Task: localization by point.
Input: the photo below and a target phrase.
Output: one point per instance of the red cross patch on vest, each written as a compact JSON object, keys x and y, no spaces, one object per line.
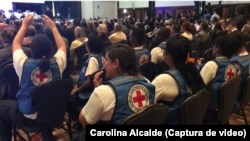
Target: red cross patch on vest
{"x":143,"y":59}
{"x":138,"y":97}
{"x":230,"y":72}
{"x":39,"y":78}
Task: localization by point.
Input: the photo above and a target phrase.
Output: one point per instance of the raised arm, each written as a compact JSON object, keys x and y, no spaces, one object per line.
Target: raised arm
{"x":60,"y":43}
{"x":18,"y":40}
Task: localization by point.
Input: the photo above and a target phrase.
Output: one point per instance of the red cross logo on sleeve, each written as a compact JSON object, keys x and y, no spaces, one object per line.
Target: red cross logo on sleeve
{"x":41,"y":76}
{"x":139,"y":98}
{"x":143,"y":59}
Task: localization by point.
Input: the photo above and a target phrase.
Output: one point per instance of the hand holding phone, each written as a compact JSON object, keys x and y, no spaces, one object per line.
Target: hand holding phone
{"x":99,"y":77}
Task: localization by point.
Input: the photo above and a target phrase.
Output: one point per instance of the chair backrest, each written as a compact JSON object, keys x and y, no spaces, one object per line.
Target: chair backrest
{"x":245,"y":96}
{"x":80,"y":51}
{"x":50,"y":100}
{"x":150,"y":115}
{"x":11,"y":79}
{"x":227,"y":95}
{"x":193,"y":109}
{"x":148,"y":70}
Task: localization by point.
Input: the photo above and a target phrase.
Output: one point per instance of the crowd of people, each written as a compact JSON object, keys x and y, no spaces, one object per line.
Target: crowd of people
{"x":109,"y":78}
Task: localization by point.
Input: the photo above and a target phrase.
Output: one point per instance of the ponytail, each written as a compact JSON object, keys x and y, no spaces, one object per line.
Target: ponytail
{"x":44,"y":64}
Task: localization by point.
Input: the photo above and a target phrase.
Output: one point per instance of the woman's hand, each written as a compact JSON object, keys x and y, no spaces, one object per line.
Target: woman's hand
{"x":98,"y":78}
{"x":48,"y":22}
{"x":27,"y":21}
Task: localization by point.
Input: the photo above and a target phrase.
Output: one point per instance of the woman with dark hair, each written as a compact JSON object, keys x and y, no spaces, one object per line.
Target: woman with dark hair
{"x":81,"y":93}
{"x":112,"y":102}
{"x":180,"y":81}
{"x":40,"y":64}
{"x":217,"y":71}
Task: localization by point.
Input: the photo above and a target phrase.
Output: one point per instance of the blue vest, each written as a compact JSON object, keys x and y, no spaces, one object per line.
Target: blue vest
{"x":85,"y":95}
{"x":173,"y":112}
{"x":31,"y":77}
{"x":132,"y":94}
{"x":242,"y":64}
{"x":85,"y":65}
{"x":142,"y":56}
{"x":222,"y":75}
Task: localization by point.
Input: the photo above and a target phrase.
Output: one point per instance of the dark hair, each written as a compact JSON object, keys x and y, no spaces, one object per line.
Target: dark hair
{"x":138,"y":34}
{"x":126,"y":56}
{"x":179,"y":48}
{"x":223,"y":44}
{"x":163,"y":34}
{"x":95,"y":44}
{"x":41,"y":49}
{"x":31,"y":31}
{"x":8,"y":34}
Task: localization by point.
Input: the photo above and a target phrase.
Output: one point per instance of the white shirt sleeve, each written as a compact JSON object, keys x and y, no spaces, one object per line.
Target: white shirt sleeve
{"x":92,"y":67}
{"x":156,"y":55}
{"x":208,"y":71}
{"x":19,"y":57}
{"x":100,"y":105}
{"x":166,"y":88}
{"x":60,"y":57}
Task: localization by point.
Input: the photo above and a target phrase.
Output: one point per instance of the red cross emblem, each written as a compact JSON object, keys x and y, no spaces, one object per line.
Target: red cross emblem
{"x":39,"y":78}
{"x":143,"y":59}
{"x":138,"y":97}
{"x":230,"y":72}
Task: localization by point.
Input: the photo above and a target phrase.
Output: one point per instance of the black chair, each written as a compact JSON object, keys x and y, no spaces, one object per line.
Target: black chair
{"x":245,"y":98}
{"x":193,"y":109}
{"x":148,"y":70}
{"x":50,"y":100}
{"x":9,"y":75}
{"x":227,"y":94}
{"x":154,"y":114}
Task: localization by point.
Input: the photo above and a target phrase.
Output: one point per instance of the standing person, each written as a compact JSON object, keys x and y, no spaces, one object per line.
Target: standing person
{"x":22,"y":110}
{"x":180,"y":81}
{"x":115,"y":100}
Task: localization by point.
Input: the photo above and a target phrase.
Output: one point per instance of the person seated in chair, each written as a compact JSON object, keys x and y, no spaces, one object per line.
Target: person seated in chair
{"x":32,"y":72}
{"x":217,"y":71}
{"x":81,"y":93}
{"x":136,"y":40}
{"x":182,"y":80}
{"x":125,"y":92}
{"x":241,"y":60}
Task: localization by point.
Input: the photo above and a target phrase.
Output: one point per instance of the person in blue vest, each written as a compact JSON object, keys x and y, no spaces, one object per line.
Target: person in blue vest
{"x":241,"y":60}
{"x":215,"y":72}
{"x":182,"y":80}
{"x":81,"y":93}
{"x":125,"y":92}
{"x":37,"y":70}
{"x":93,"y":63}
{"x":136,"y":39}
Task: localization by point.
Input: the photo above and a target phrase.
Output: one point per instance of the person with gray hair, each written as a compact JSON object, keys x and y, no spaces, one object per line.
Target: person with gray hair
{"x":118,"y":35}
